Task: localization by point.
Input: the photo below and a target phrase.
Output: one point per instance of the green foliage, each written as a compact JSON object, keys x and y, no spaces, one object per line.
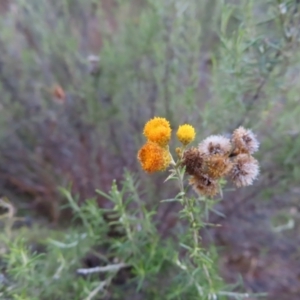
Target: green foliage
{"x":133,"y":259}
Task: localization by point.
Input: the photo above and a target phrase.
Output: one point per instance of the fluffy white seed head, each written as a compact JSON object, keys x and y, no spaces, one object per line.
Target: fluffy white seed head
{"x":245,"y":140}
{"x":215,"y":144}
{"x":245,"y":170}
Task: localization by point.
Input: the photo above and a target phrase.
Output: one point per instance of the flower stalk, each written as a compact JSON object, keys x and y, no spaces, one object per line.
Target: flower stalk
{"x":216,"y":157}
{"x":188,"y":206}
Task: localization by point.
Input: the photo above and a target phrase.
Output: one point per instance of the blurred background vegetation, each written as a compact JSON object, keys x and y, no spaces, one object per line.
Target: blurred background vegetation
{"x":79,"y":78}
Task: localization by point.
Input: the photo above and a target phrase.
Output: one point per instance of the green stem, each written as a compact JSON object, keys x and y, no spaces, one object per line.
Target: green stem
{"x":189,"y":206}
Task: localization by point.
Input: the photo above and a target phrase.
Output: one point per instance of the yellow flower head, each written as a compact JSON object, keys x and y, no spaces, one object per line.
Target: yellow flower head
{"x":186,"y":134}
{"x":154,"y":158}
{"x":158,"y":130}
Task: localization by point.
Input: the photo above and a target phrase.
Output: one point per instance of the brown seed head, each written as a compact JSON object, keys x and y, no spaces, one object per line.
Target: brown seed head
{"x":245,"y":141}
{"x":192,"y":160}
{"x":216,"y":166}
{"x":203,"y":185}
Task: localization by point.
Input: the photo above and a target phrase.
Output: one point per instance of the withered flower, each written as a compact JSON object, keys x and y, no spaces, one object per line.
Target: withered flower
{"x":193,"y":161}
{"x":245,"y":170}
{"x":216,"y":166}
{"x":245,"y":141}
{"x":203,"y":185}
{"x":215,"y":144}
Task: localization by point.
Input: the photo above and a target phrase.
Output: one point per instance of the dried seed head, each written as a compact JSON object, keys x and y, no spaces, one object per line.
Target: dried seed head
{"x":203,"y":185}
{"x":192,"y":160}
{"x":216,"y":166}
{"x":215,"y":144}
{"x":245,"y":141}
{"x":245,"y":170}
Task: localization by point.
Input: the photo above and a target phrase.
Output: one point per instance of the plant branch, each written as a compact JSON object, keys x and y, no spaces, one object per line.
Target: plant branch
{"x":187,"y":203}
{"x":109,"y":268}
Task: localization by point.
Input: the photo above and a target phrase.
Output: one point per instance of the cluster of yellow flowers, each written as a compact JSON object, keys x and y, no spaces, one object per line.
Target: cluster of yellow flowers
{"x":155,"y":155}
{"x":215,"y":157}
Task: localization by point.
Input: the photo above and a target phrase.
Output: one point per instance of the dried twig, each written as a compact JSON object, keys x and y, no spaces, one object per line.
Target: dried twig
{"x":97,"y":289}
{"x":109,"y":268}
{"x":100,"y":287}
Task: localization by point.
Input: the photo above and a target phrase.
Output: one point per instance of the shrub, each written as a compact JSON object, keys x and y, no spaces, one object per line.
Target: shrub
{"x":69,"y":116}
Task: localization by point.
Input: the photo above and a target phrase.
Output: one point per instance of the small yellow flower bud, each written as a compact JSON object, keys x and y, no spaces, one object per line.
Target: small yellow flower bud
{"x":178,"y":151}
{"x":186,"y":134}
